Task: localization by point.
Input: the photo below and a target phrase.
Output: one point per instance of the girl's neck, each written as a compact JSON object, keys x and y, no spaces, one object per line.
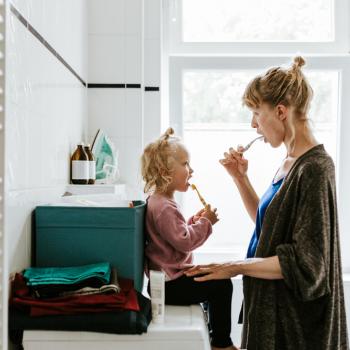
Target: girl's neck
{"x":167,"y":194}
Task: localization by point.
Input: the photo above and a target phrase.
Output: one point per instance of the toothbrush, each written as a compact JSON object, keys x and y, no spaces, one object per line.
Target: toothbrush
{"x":199,"y":195}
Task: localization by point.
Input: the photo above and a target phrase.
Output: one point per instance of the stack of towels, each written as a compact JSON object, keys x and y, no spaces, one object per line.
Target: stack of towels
{"x":72,"y":290}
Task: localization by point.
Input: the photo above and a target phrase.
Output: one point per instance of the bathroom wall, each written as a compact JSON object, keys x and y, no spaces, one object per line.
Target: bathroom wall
{"x":124,"y":79}
{"x":46,"y":112}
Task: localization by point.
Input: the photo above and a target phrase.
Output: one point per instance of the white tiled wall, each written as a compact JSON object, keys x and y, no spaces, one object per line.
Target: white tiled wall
{"x":153,"y":69}
{"x":106,"y":58}
{"x":46,"y":111}
{"x":124,"y":48}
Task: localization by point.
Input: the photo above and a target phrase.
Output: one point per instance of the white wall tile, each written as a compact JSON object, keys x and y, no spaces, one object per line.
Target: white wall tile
{"x":152,"y":19}
{"x":133,"y":113}
{"x":133,"y":17}
{"x":106,"y":16}
{"x":152,"y":62}
{"x":151,"y":128}
{"x":133,"y":59}
{"x":130,"y":167}
{"x":107,"y":111}
{"x":106,"y":59}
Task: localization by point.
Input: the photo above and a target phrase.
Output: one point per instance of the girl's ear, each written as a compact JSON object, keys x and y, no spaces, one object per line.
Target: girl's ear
{"x":282,"y":112}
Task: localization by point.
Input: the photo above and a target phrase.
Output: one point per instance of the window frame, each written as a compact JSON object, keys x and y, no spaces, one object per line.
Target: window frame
{"x":339,"y":45}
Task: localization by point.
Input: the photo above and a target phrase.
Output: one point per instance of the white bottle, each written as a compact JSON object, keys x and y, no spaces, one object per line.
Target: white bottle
{"x":157,"y":281}
{"x":80,"y":166}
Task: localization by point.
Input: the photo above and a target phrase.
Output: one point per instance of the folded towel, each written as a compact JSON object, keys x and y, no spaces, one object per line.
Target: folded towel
{"x":112,"y":287}
{"x":67,"y":275}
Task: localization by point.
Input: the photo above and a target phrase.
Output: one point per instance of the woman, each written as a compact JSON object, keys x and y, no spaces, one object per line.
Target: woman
{"x":292,"y":284}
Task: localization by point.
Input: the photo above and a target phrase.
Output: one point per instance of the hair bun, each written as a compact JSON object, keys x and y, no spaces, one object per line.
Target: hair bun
{"x":168,"y":132}
{"x":298,"y":62}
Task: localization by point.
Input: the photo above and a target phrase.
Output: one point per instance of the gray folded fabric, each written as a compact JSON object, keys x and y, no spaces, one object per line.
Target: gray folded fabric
{"x":112,"y":287}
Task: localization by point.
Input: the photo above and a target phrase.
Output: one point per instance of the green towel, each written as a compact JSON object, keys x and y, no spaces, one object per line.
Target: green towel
{"x":67,"y":275}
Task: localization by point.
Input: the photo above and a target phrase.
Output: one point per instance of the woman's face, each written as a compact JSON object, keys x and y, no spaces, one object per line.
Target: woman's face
{"x":269,"y":122}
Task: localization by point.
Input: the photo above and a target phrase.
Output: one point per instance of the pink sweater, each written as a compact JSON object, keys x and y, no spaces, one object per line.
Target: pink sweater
{"x":170,"y":239}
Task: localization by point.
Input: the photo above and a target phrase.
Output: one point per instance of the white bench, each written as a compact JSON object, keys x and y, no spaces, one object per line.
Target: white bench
{"x":184,"y":328}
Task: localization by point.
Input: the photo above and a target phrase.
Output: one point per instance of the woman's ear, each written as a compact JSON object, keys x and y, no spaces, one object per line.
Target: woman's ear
{"x":282,"y":112}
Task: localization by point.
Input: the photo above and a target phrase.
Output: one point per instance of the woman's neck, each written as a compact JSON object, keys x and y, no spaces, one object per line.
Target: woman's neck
{"x":299,"y":139}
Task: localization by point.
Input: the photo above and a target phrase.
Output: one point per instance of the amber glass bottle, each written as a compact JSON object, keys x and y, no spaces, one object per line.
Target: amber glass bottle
{"x":80,"y":166}
{"x":92,"y":164}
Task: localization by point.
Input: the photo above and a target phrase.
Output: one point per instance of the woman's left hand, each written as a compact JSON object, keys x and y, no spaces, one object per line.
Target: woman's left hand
{"x":213,"y":271}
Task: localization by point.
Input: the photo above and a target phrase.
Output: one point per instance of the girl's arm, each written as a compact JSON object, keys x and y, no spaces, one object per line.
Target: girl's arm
{"x":184,"y":237}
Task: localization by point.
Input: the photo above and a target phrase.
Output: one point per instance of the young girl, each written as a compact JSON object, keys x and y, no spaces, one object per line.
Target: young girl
{"x":171,"y":240}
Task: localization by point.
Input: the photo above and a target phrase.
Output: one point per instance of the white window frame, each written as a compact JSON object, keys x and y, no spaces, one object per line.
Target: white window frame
{"x":339,"y":45}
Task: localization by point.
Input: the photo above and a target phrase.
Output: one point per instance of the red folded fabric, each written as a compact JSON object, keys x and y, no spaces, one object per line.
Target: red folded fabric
{"x":124,"y":300}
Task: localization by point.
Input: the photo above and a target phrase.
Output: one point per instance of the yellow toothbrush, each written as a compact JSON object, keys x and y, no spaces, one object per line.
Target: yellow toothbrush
{"x":199,"y":195}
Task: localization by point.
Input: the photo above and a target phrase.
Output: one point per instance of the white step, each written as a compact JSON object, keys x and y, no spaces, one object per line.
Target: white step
{"x":184,"y":329}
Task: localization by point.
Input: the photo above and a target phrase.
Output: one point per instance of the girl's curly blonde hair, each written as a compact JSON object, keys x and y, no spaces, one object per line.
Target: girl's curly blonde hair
{"x":157,"y":162}
{"x":281,"y":86}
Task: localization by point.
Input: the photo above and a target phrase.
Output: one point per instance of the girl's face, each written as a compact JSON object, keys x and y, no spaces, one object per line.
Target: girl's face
{"x":182,"y":171}
{"x":269,"y":122}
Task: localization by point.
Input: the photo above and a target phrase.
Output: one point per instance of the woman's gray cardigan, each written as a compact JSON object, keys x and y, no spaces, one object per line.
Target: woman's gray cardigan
{"x":304,"y":310}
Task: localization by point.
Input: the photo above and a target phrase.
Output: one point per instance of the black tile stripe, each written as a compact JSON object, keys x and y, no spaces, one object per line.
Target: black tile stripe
{"x":133,"y":86}
{"x":45,"y":43}
{"x":151,"y":88}
{"x":118,"y":86}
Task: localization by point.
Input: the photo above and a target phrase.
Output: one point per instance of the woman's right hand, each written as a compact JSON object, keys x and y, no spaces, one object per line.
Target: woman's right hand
{"x":235,"y":164}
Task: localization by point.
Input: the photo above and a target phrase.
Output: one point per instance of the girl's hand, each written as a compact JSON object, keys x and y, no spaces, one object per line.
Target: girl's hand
{"x":235,"y":164}
{"x":213,"y":271}
{"x":210,"y":214}
{"x":197,"y":216}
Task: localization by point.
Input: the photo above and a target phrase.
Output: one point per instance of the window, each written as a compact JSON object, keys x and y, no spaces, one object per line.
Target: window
{"x":228,"y":21}
{"x":258,"y":26}
{"x":207,"y":79}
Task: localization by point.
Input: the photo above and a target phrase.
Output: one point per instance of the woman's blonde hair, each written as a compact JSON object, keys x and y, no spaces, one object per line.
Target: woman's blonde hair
{"x":157,"y":161}
{"x":287,"y":86}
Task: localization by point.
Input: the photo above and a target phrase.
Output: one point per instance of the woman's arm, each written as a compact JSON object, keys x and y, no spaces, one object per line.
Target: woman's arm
{"x":249,"y":197}
{"x":265,"y":268}
{"x":237,"y":166}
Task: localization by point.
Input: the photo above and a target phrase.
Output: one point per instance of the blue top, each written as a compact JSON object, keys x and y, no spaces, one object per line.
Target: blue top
{"x":263,"y":204}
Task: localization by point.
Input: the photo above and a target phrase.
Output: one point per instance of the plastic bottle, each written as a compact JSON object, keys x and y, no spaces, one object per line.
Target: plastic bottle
{"x":80,"y":166}
{"x":92,"y":164}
